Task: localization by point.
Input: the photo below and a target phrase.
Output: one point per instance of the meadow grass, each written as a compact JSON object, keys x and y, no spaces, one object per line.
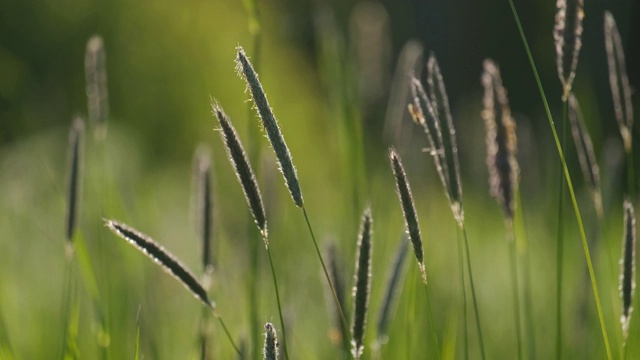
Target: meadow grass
{"x":436,"y":311}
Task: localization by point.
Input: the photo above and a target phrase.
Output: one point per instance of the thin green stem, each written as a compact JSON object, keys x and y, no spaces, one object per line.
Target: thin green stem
{"x":275,"y":284}
{"x":631,"y":184}
{"x":464,"y":296}
{"x":254,"y":246}
{"x":528,"y":297}
{"x":560,"y":240}
{"x":515,"y":285}
{"x":66,"y":302}
{"x":473,"y":292}
{"x":326,"y":274}
{"x":433,"y":327}
{"x":410,"y":316}
{"x":576,"y":209}
{"x":226,"y":331}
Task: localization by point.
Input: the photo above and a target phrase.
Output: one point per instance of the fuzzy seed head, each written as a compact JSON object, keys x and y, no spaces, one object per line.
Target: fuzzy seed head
{"x":74,"y":174}
{"x":408,"y":209}
{"x":271,"y":345}
{"x":567,"y":35}
{"x":362,"y":288}
{"x":244,"y":171}
{"x":96,"y":84}
{"x":628,"y":266}
{"x":500,"y":139}
{"x":270,"y":125}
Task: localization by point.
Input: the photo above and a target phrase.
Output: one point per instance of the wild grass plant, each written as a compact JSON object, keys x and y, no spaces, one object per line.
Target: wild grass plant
{"x":525,"y":299}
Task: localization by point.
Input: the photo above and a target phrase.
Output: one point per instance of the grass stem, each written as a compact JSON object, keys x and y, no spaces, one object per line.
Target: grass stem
{"x":326,"y":274}
{"x":464,"y":297}
{"x":513,"y":255}
{"x":473,"y":292}
{"x":226,"y":331}
{"x":560,"y":239}
{"x":431,"y":324}
{"x":275,"y":284}
{"x":576,"y":209}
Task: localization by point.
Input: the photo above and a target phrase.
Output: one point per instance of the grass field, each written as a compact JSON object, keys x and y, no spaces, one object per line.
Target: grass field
{"x":506,"y":279}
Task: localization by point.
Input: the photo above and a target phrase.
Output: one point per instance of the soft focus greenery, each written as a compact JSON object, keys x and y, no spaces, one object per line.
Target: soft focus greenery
{"x":165,"y":61}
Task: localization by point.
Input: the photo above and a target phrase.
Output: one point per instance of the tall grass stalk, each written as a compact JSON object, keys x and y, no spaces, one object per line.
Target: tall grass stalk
{"x":568,"y":181}
{"x":560,"y":239}
{"x":431,"y":111}
{"x":464,"y":295}
{"x":413,"y":229}
{"x":270,"y":125}
{"x":247,"y":179}
{"x":503,"y":167}
{"x":473,"y":290}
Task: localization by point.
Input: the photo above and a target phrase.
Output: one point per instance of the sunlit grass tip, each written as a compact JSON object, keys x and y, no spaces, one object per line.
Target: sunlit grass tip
{"x":270,"y":351}
{"x":500,"y":139}
{"x":162,"y":257}
{"x":586,"y":154}
{"x":628,"y":266}
{"x":96,"y":84}
{"x":242,"y":167}
{"x":620,"y":89}
{"x":567,"y":36}
{"x":74,"y":176}
{"x":270,"y":125}
{"x":408,"y":209}
{"x":362,"y":287}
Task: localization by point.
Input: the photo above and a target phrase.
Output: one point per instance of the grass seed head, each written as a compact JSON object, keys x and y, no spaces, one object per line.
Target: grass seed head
{"x":362,"y":288}
{"x":243,"y":170}
{"x":567,"y":35}
{"x":500,"y":138}
{"x":74,"y":176}
{"x":270,"y":351}
{"x":270,"y":125}
{"x":162,"y":257}
{"x":628,"y":266}
{"x":408,"y":209}
{"x":620,"y":89}
{"x":95,"y":69}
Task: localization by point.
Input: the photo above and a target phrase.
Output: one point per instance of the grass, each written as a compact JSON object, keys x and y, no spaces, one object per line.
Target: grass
{"x":341,"y":162}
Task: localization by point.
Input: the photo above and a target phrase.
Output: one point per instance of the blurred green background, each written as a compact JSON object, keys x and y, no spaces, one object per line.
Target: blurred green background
{"x":328,"y":69}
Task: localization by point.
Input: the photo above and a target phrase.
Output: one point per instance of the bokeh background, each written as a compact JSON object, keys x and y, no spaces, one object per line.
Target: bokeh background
{"x":330,"y":72}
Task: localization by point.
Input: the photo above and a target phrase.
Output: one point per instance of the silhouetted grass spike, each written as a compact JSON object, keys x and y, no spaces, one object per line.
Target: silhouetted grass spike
{"x":96,"y":81}
{"x":162,"y":257}
{"x":362,"y":288}
{"x":620,"y":89}
{"x":242,"y":168}
{"x":270,"y":351}
{"x":586,"y":154}
{"x":408,"y":209}
{"x":74,"y":175}
{"x":204,"y":199}
{"x":393,"y":282}
{"x":567,"y":34}
{"x":270,"y":125}
{"x":440,"y":105}
{"x":628,"y":266}
{"x":500,"y":138}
